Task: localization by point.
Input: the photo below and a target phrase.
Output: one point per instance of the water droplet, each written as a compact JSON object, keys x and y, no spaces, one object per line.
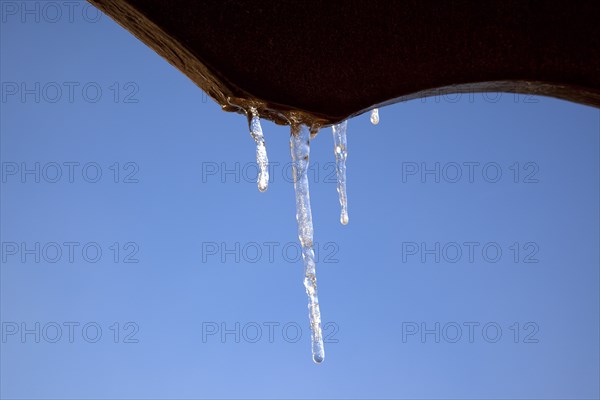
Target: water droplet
{"x":344,"y":218}
{"x":318,"y":358}
{"x":375,"y":116}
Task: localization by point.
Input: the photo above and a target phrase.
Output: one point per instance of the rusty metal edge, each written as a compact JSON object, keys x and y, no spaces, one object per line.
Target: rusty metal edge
{"x":234,"y":99}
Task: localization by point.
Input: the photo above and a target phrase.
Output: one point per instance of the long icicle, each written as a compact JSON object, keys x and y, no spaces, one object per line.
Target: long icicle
{"x":341,"y":153}
{"x":300,"y":149}
{"x":261,"y":150}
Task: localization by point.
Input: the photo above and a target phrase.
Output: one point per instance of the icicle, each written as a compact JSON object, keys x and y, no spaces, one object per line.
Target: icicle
{"x":341,"y":153}
{"x":261,"y":150}
{"x":375,"y":116}
{"x":300,"y":149}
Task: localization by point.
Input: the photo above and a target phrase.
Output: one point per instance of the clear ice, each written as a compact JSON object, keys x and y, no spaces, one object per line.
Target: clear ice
{"x":341,"y":153}
{"x":300,"y":149}
{"x":261,"y":150}
{"x":375,"y":116}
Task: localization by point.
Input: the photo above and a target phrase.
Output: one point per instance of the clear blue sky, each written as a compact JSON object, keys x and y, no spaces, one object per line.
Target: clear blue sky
{"x":177,"y":193}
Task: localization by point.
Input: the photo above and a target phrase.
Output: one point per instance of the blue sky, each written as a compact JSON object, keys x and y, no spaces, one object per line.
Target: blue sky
{"x":131,"y":224}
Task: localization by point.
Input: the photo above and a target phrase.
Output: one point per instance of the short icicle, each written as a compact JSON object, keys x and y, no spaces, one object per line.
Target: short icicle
{"x":300,"y":149}
{"x":261,"y":150}
{"x":341,"y":153}
{"x":375,"y":116}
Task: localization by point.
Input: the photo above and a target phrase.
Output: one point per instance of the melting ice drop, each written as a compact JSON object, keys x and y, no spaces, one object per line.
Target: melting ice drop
{"x":375,"y":116}
{"x":300,"y":149}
